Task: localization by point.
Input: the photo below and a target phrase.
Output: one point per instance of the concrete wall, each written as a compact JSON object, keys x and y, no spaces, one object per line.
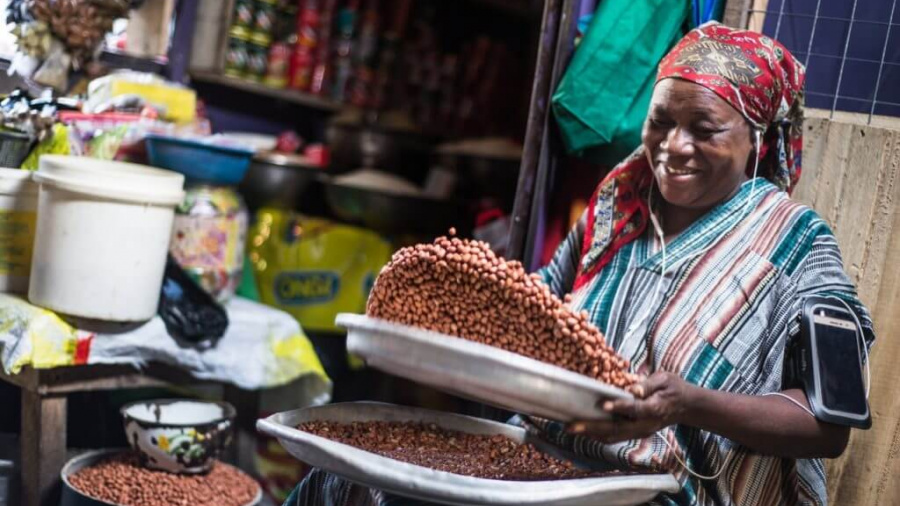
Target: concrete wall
{"x":851,"y":176}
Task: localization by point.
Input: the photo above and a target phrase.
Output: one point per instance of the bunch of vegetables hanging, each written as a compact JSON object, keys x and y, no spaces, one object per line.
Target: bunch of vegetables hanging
{"x":55,"y":37}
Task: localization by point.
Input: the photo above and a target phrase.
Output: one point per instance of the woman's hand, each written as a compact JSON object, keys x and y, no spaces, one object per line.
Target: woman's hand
{"x":767,"y":425}
{"x":662,"y":402}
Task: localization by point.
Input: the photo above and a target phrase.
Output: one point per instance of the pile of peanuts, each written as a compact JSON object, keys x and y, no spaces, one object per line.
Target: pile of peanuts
{"x":494,"y":457}
{"x":121,"y":480}
{"x":462,"y":288}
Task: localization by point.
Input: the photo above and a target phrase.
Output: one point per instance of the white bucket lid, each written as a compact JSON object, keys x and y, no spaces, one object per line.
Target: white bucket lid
{"x":115,"y":180}
{"x":16,"y":182}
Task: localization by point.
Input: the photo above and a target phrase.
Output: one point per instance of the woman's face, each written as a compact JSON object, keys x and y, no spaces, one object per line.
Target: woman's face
{"x":697,"y":144}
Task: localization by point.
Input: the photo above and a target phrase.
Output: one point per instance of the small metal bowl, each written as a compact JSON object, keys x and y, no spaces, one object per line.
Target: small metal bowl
{"x":71,"y":496}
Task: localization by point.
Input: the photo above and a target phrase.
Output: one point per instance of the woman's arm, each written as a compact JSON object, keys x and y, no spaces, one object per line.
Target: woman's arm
{"x":560,"y":273}
{"x":769,"y":425}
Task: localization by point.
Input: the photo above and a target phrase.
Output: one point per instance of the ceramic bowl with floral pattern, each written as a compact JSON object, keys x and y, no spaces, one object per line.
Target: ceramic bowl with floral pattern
{"x":179,"y":435}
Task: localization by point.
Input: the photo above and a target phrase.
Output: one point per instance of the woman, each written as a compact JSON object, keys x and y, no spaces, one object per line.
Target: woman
{"x":694,"y":262}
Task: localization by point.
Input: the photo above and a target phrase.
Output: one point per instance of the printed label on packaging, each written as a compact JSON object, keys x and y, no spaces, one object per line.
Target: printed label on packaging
{"x":310,"y":287}
{"x":209,"y":243}
{"x":16,"y":242}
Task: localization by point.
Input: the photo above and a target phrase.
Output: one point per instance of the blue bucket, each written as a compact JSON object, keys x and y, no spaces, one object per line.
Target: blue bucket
{"x":199,"y":161}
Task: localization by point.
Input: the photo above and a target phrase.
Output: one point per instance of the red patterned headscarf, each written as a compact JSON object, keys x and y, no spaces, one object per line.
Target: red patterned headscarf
{"x":754,"y":74}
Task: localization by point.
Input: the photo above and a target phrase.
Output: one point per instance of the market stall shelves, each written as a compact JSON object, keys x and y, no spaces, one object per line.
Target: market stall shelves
{"x":428,"y":484}
{"x":288,"y":95}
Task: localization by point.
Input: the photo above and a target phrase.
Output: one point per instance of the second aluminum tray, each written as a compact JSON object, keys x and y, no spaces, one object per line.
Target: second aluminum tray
{"x":372,"y":470}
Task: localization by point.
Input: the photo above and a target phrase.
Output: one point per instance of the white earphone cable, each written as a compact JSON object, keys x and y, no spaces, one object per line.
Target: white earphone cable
{"x":662,"y":239}
{"x":745,"y":212}
{"x":657,"y":228}
{"x":794,"y":401}
{"x":688,"y":469}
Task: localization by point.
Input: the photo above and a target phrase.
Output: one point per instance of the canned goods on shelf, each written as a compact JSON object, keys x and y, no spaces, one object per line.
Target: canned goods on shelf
{"x":301,"y":67}
{"x":265,"y":16}
{"x":261,"y":39}
{"x":257,"y":56}
{"x":277,"y":67}
{"x":236,"y":55}
{"x":243,"y":13}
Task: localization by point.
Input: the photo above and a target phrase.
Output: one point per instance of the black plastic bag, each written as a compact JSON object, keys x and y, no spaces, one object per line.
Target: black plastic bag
{"x":190,"y":314}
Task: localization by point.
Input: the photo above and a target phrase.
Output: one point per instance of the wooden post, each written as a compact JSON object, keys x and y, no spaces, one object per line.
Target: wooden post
{"x":757,"y":18}
{"x":551,"y":150}
{"x":148,"y":28}
{"x":735,"y":14}
{"x":210,"y":35}
{"x":538,"y":114}
{"x":747,"y":14}
{"x":43,"y":447}
{"x":247,"y":404}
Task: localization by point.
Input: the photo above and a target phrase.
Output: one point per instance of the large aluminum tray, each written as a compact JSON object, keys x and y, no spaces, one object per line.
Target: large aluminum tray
{"x":477,"y":371}
{"x":422,"y":483}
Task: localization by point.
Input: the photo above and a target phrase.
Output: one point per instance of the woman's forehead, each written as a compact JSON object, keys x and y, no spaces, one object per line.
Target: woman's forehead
{"x":680,"y":96}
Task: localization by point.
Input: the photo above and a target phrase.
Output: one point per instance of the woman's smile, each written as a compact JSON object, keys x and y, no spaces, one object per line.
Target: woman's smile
{"x":677,"y":174}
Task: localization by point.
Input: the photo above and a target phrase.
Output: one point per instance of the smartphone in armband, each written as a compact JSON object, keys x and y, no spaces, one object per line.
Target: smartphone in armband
{"x":827,"y":362}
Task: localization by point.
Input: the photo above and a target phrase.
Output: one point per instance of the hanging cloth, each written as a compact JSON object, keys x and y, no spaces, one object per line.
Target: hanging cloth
{"x":703,"y":11}
{"x":602,"y":99}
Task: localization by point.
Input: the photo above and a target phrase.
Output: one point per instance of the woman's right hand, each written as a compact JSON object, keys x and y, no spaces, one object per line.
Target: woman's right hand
{"x":661,"y":400}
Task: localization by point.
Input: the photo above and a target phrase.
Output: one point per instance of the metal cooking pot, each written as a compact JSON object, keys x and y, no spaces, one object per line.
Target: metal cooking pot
{"x":387,"y":212}
{"x":484,"y":176}
{"x":283,"y":181}
{"x":405,"y":153}
{"x":73,"y":497}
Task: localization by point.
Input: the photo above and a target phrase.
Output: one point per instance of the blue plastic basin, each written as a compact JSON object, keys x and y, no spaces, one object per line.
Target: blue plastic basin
{"x":200,"y":161}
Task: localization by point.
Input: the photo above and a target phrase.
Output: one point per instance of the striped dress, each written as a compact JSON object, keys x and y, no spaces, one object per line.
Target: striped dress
{"x":720,"y":316}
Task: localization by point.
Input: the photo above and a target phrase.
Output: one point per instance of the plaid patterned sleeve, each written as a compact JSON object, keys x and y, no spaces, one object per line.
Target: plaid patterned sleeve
{"x":560,"y":273}
{"x":822,"y":274}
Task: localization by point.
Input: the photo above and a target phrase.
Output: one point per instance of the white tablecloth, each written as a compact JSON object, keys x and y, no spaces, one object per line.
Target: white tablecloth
{"x":262,"y":348}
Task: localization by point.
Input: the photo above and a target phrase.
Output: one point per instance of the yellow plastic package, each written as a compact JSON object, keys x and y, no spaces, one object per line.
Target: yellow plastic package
{"x":179,"y":102}
{"x":57,"y":143}
{"x":314,"y":268}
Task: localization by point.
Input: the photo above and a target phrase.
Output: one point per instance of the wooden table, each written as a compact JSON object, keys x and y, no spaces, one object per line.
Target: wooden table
{"x":43,"y":434}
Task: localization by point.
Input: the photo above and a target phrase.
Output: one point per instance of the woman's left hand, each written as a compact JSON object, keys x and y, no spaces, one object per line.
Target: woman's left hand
{"x":663,"y":402}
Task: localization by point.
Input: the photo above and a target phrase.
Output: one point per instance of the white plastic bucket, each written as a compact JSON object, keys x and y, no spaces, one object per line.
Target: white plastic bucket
{"x":103,"y":230}
{"x":18,"y":214}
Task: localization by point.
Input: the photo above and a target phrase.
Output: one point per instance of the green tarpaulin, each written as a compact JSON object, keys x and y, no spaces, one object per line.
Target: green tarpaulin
{"x":602,"y":100}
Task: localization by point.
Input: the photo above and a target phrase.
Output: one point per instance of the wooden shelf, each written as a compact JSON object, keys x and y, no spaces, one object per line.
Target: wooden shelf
{"x":293,"y":96}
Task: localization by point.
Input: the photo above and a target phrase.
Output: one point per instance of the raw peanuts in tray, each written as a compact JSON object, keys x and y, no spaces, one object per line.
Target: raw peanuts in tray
{"x":122,"y":480}
{"x":462,"y":288}
{"x":483,"y":456}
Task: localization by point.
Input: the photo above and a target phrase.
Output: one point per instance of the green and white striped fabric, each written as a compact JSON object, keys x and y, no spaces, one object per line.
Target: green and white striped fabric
{"x":721,"y":318}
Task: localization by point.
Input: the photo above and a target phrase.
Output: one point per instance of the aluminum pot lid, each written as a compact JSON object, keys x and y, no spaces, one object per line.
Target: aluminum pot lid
{"x":285,"y":160}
